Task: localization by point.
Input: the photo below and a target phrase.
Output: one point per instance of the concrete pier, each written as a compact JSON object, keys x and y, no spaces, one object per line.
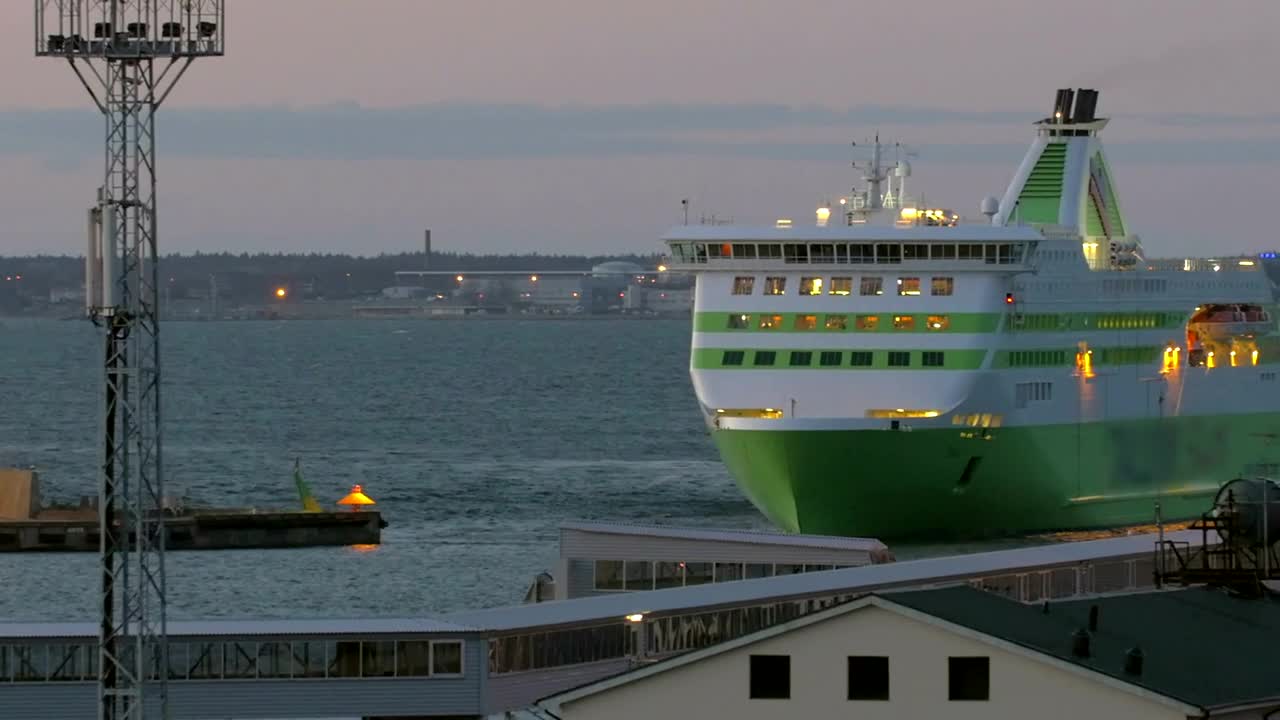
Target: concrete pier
{"x":25,"y":526}
{"x":206,"y":531}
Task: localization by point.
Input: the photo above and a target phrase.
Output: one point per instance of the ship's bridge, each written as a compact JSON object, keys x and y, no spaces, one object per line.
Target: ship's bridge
{"x":699,"y":248}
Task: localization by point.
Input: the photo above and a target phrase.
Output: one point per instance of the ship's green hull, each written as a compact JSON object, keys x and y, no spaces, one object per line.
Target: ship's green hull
{"x":969,"y":482}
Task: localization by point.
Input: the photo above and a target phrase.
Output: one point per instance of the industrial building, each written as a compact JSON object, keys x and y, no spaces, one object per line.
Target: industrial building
{"x":958,"y":652}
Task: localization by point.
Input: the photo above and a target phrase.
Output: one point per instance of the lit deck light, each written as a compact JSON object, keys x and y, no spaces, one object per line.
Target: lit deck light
{"x":662,"y":268}
{"x":635,"y":618}
{"x":459,"y":278}
{"x":1254,"y":357}
{"x":533,"y":278}
{"x":281,"y":293}
{"x":356,"y":498}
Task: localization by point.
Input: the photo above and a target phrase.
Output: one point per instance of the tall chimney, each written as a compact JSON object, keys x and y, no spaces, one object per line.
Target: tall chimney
{"x":426,"y":250}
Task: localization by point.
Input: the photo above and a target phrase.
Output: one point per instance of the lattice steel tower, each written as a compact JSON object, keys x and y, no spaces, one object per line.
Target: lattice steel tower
{"x":113,"y":46}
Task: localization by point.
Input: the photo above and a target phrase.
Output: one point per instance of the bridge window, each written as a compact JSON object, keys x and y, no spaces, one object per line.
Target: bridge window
{"x":810,"y":286}
{"x":446,"y":658}
{"x":862,"y":253}
{"x":823,"y":253}
{"x":829,"y":358}
{"x":639,"y":575}
{"x":866,"y":322}
{"x":806,"y":322}
{"x":732,"y":357}
{"x":888,"y":253}
{"x":671,"y":574}
{"x":608,"y":575}
{"x":770,"y":251}
{"x":744,"y":250}
{"x":308,"y":659}
{"x":942,"y":251}
{"x":739,"y":322}
{"x":801,"y":358}
{"x":899,"y":359}
{"x":239,"y":659}
{"x":860,"y":358}
{"x":942,"y":286}
{"x":915,"y":251}
{"x":932,"y":358}
{"x":908,"y":286}
{"x":273,"y":660}
{"x":743,"y":285}
{"x":205,"y":661}
{"x":770,"y":322}
{"x":837,"y":322}
{"x":698,"y":573}
{"x":904,"y":322}
{"x":344,"y":659}
{"x":795,"y":253}
{"x":871,"y":286}
{"x":775,"y":286}
{"x":378,"y":659}
{"x":765,"y":357}
{"x":413,"y":658}
{"x":841,"y":286}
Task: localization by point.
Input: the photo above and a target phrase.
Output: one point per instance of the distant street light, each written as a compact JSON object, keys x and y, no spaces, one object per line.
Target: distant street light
{"x":281,"y":293}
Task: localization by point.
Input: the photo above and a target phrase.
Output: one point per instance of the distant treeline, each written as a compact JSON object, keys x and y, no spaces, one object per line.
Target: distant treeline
{"x":252,"y":277}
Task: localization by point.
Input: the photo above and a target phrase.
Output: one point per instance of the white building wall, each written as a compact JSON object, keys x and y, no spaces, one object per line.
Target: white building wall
{"x":718,"y":686}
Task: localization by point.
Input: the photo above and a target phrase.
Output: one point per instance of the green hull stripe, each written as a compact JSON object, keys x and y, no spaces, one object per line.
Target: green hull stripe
{"x":942,"y":482}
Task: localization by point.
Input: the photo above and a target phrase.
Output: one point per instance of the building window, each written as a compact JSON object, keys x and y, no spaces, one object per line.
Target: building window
{"x":801,"y":358}
{"x":810,"y":286}
{"x":775,"y":286}
{"x":866,"y":322}
{"x":837,"y":322}
{"x":743,"y":285}
{"x":770,"y":677}
{"x":732,"y":357}
{"x":698,"y":573}
{"x":860,"y":358}
{"x":829,"y":358}
{"x":904,"y":322}
{"x":728,"y":572}
{"x":868,"y":677}
{"x":909,"y":286}
{"x":378,"y":659}
{"x":899,"y":359}
{"x":932,"y":358}
{"x":806,"y":322}
{"x":765,"y":357}
{"x":608,"y":575}
{"x":739,"y":322}
{"x":938,"y":322}
{"x":668,"y":575}
{"x":968,"y":678}
{"x":446,"y":658}
{"x":413,"y":658}
{"x":841,"y":286}
{"x":871,"y":286}
{"x":640,"y":573}
{"x":770,"y":322}
{"x":942,"y":286}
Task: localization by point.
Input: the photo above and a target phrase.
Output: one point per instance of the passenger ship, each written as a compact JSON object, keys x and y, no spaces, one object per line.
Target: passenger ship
{"x":896,"y":371}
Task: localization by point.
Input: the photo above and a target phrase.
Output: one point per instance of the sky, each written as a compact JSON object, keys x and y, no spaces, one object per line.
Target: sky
{"x":578,"y":127}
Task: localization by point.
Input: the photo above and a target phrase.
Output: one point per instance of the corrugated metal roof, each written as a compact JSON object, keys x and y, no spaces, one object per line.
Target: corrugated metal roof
{"x":248,"y":628}
{"x":613,"y":607}
{"x":758,"y":537}
{"x":831,"y":582}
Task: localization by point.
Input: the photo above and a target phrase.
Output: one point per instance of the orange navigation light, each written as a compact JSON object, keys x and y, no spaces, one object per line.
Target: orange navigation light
{"x":356,"y":498}
{"x":1008,"y":298}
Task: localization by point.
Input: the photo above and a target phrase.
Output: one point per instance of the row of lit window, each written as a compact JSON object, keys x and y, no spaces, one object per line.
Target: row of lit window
{"x":887,"y":253}
{"x":867,"y":286}
{"x":968,"y":678}
{"x":832,"y":358}
{"x":649,"y":575}
{"x":243,"y":660}
{"x":745,"y":321}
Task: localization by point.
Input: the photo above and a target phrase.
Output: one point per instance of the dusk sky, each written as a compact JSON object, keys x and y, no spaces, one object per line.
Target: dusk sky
{"x":557,"y":126}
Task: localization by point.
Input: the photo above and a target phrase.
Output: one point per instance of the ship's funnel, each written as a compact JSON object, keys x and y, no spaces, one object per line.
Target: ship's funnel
{"x":1064,"y":179}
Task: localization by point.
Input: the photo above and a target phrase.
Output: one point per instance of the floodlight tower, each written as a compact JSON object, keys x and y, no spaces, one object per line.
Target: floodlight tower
{"x":113,"y":46}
